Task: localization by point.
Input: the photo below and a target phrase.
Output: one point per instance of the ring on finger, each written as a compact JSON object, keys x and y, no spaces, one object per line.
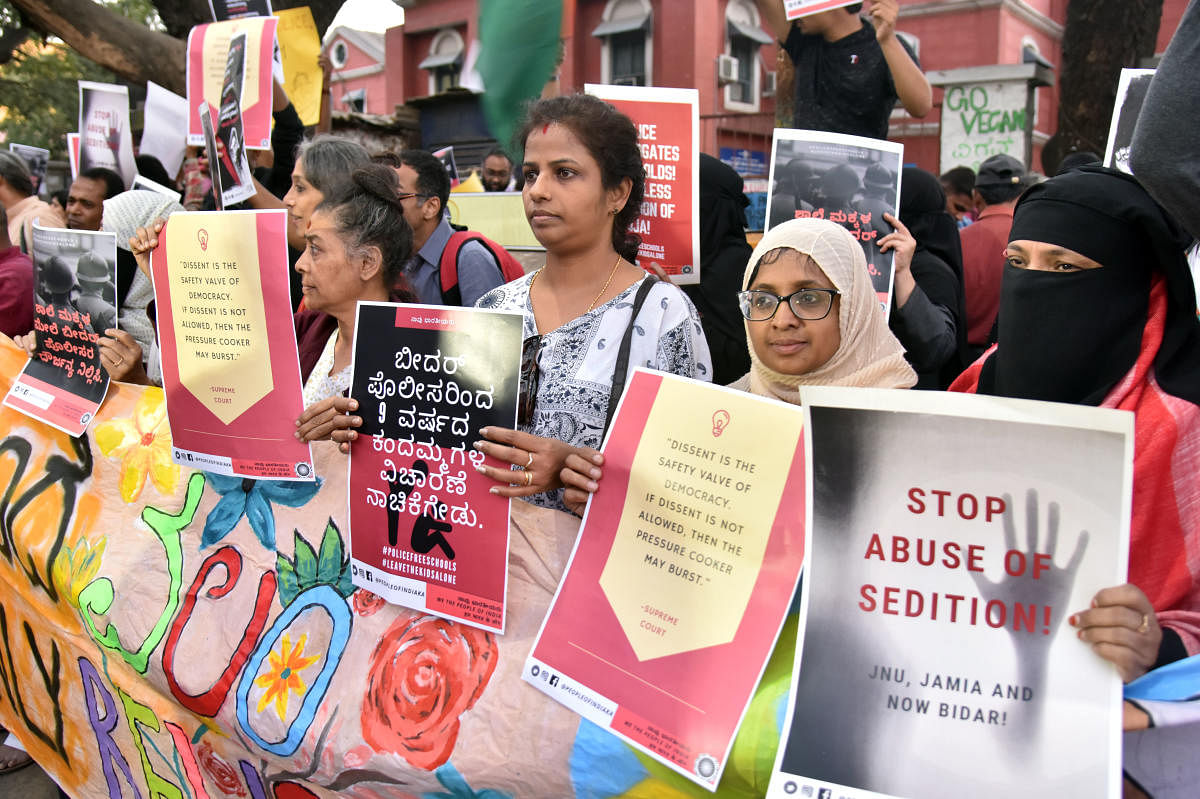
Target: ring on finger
{"x":528,"y":479}
{"x":529,"y":463}
{"x":1145,"y":625}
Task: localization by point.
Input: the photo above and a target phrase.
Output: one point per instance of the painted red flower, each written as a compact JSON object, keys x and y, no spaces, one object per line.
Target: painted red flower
{"x":366,"y":603}
{"x":424,"y":674}
{"x":224,"y":775}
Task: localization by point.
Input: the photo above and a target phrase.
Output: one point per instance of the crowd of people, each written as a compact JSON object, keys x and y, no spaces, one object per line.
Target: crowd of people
{"x":1074,"y":289}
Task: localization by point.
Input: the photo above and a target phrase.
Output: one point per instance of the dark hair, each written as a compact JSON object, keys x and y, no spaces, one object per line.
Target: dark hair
{"x":366,"y":213}
{"x":854,"y":9}
{"x":959,"y":180}
{"x":994,"y":195}
{"x":60,"y":195}
{"x":497,"y":151}
{"x":329,"y":160}
{"x":15,"y":173}
{"x":432,"y":178}
{"x":150,"y":167}
{"x":611,"y":139}
{"x":113,"y":185}
{"x":387,"y":158}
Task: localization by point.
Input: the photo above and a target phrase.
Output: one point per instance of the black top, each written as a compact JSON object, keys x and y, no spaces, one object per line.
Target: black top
{"x":843,"y":86}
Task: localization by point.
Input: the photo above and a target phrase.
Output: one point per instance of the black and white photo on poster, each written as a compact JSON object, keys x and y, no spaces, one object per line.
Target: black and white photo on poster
{"x":36,"y":158}
{"x":210,"y":150}
{"x":934,"y":658}
{"x":236,"y":182}
{"x":105,"y":136}
{"x":1131,"y":93}
{"x":846,"y":179}
{"x":233,"y":9}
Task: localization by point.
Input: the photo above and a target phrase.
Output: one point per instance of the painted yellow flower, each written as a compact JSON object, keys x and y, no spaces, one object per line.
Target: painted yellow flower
{"x":284,"y":676}
{"x":76,"y":566}
{"x":143,"y":443}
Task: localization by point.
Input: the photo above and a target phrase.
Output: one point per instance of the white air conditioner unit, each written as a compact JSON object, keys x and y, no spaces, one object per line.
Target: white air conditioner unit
{"x":769,"y":83}
{"x":727,"y":69}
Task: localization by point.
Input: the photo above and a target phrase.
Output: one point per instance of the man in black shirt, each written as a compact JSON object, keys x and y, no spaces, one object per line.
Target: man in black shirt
{"x":848,"y":72}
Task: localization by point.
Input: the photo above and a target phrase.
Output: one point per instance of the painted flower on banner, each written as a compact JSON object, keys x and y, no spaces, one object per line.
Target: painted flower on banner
{"x":424,"y":674}
{"x":284,"y":677}
{"x":76,"y":566}
{"x":223,"y":775}
{"x":457,"y":787}
{"x":367,"y":603}
{"x":252,"y":499}
{"x":143,"y":443}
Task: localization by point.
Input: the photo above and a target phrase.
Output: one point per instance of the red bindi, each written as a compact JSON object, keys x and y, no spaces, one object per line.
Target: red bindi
{"x":545,"y":128}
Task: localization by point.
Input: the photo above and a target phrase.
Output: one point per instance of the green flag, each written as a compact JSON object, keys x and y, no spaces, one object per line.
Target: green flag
{"x":518,"y":51}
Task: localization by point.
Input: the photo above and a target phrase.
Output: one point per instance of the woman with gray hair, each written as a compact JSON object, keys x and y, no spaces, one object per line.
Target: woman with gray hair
{"x":323,"y":168}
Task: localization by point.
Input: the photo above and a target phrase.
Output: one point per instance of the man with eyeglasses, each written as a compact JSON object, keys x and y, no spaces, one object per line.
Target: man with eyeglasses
{"x":424,"y":192}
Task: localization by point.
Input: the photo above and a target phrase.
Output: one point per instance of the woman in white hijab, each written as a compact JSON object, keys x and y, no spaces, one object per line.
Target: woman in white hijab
{"x":812,"y":318}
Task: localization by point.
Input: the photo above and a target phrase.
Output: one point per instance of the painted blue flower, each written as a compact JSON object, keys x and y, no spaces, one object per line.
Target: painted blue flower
{"x":242,"y":496}
{"x":458,"y":787}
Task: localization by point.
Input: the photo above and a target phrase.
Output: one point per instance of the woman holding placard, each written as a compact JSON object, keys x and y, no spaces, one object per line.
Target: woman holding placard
{"x":1098,"y":308}
{"x":591,"y":313}
{"x":812,"y":318}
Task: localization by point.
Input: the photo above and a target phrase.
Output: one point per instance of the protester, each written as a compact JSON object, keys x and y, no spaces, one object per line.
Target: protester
{"x":424,"y":192}
{"x":1098,"y":309}
{"x":357,"y":243}
{"x":85,"y":199}
{"x":1000,"y":183}
{"x":497,"y":171}
{"x":584,"y":181}
{"x":149,"y":167}
{"x":16,"y":286}
{"x":323,"y":167}
{"x":848,"y":73}
{"x":21,"y":204}
{"x":812,"y":318}
{"x":723,"y":255}
{"x":959,"y":185}
{"x":932,"y":322}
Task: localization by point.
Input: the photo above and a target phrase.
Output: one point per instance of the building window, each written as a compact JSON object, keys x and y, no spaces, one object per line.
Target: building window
{"x":628,"y":48}
{"x":355,"y":100}
{"x":444,"y":62}
{"x":743,"y":38}
{"x":339,"y":55}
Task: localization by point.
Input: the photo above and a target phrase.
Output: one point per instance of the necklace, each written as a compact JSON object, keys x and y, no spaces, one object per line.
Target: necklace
{"x":595,"y":299}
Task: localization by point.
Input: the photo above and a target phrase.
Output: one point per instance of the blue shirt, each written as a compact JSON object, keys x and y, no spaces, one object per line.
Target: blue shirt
{"x":478,"y":272}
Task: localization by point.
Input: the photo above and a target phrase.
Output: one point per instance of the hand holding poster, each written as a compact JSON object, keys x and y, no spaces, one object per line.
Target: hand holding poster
{"x":850,"y":180}
{"x":75,"y":301}
{"x":105,"y":136}
{"x":231,"y":371}
{"x":426,"y":532}
{"x":668,"y":125}
{"x":683,"y":570}
{"x":937,"y":592}
{"x":208,"y":51}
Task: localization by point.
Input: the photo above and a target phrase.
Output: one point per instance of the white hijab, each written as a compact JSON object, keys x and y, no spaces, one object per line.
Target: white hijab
{"x":868,"y":355}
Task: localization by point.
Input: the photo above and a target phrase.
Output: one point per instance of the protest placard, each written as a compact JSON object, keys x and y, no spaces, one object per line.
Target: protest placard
{"x":163,"y":134}
{"x":936,"y":597}
{"x":74,"y":302}
{"x":237,"y":184}
{"x":105,"y":136}
{"x":210,"y":152}
{"x":299,"y":48}
{"x":208,"y":55}
{"x":683,"y":570}
{"x":73,"y":154}
{"x":425,"y":531}
{"x":36,"y":158}
{"x":794,"y":9}
{"x":1131,"y":92}
{"x":850,"y":180}
{"x":223,"y":10}
{"x":230,"y":366}
{"x":668,"y":126}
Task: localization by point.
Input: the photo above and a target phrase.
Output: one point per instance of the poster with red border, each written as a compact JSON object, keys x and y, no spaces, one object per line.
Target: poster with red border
{"x":794,"y":9}
{"x":208,"y":50}
{"x":668,"y":125}
{"x":74,"y":301}
{"x":425,"y":530}
{"x":934,"y":655}
{"x":231,"y":369}
{"x":684,"y":568}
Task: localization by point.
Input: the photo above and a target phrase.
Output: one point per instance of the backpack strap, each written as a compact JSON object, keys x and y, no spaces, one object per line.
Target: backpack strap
{"x":448,"y":267}
{"x":622,"y":367}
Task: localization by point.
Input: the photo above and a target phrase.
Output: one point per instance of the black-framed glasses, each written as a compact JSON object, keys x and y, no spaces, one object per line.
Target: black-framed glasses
{"x":530,"y":377}
{"x":407,"y":194}
{"x":807,"y":304}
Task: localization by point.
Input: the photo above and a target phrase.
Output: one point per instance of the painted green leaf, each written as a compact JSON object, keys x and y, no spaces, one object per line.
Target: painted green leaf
{"x":330,"y":563}
{"x":289,"y":587}
{"x":306,"y":563}
{"x":345,"y":585}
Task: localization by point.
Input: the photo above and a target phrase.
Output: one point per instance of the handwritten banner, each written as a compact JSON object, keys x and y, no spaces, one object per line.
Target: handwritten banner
{"x":936,"y":597}
{"x":427,"y":532}
{"x":980,"y":120}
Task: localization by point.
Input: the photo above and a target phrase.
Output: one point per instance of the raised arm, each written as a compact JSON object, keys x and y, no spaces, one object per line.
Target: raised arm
{"x":912,"y":88}
{"x":773,"y":18}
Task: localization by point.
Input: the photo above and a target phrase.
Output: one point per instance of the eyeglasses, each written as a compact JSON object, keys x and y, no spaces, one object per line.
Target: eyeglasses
{"x":807,"y":304}
{"x":530,"y":377}
{"x":407,"y":194}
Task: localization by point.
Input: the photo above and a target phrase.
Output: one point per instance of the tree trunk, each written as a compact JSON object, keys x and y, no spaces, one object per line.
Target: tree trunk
{"x":128,"y":48}
{"x":1101,"y":37}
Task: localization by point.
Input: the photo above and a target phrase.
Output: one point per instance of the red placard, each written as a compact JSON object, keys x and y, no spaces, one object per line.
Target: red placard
{"x":208,"y":48}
